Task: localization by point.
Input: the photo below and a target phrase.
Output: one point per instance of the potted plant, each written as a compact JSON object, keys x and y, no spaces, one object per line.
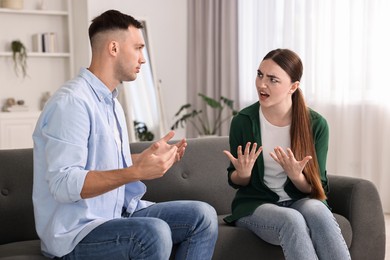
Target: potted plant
{"x":19,"y":55}
{"x":142,"y":132}
{"x":200,"y":119}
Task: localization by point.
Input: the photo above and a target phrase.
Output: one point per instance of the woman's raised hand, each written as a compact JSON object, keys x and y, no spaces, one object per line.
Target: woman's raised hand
{"x":245,"y":160}
{"x":287,"y":160}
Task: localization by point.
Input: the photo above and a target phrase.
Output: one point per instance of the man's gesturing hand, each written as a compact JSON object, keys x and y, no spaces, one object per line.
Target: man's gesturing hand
{"x":181,"y":147}
{"x":156,"y":160}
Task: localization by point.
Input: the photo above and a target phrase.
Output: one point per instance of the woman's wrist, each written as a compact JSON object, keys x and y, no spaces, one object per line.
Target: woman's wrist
{"x":240,"y":178}
{"x":301,"y":182}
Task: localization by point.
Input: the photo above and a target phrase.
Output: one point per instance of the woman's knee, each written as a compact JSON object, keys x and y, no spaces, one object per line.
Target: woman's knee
{"x":313,"y":209}
{"x":294,"y":219}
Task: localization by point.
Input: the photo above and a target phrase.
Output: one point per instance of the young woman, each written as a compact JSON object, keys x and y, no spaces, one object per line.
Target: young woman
{"x":278,"y":150}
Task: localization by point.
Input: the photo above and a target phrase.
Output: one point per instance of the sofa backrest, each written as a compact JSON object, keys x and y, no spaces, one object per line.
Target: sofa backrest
{"x":16,"y":209}
{"x":200,"y":175}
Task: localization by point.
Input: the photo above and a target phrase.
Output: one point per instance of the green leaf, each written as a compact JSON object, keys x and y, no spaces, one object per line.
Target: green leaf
{"x":182,"y":108}
{"x":142,"y":131}
{"x":200,"y":121}
{"x":210,"y":101}
{"x":19,"y":56}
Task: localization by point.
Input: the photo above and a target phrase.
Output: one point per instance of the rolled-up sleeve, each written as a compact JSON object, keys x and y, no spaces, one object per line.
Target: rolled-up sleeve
{"x":66,"y":133}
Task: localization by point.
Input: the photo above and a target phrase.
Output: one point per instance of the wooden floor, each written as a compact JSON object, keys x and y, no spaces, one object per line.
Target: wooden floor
{"x":387,"y":219}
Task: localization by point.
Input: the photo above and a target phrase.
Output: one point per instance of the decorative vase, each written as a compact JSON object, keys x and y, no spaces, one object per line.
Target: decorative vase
{"x":41,"y":5}
{"x":45,"y":97}
{"x":12,"y":4}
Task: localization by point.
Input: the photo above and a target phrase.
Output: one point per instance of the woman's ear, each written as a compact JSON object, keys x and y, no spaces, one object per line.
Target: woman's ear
{"x":294,"y":87}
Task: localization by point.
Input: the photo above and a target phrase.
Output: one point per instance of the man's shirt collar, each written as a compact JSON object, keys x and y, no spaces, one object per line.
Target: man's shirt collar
{"x":99,"y":88}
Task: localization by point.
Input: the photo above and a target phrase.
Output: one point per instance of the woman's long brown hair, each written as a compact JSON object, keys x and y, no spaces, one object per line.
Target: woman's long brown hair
{"x":302,"y":141}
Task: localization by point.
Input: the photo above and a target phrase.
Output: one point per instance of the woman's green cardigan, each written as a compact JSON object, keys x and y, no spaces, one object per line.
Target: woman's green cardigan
{"x":245,"y":127}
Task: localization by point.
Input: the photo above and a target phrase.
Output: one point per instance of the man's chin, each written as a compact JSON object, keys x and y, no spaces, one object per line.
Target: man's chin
{"x":131,"y":78}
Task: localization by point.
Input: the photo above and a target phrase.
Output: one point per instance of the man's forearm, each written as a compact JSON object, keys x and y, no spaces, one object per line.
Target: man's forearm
{"x":99,"y":182}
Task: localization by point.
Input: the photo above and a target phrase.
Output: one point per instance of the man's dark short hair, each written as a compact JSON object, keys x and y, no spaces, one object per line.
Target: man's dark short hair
{"x":112,"y":20}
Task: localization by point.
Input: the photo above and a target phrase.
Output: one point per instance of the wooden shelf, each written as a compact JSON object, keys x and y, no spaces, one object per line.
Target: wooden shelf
{"x":33,"y":12}
{"x":19,"y":114}
{"x":40,"y":54}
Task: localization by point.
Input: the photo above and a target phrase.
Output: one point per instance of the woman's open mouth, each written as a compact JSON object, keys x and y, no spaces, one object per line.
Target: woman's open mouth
{"x":263,"y":95}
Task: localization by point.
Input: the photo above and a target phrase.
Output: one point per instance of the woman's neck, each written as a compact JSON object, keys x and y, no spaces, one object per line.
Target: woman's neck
{"x":277,"y":117}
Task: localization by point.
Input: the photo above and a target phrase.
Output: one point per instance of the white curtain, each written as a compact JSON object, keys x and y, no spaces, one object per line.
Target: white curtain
{"x":344,"y":46}
{"x":212,"y":54}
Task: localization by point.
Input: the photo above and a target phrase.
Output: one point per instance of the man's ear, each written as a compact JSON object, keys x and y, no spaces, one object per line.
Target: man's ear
{"x":294,"y":87}
{"x":113,"y":48}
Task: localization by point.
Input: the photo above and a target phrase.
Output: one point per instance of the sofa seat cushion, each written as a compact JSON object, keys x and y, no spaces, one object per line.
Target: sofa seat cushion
{"x":25,"y":250}
{"x":233,"y":243}
{"x":239,"y":243}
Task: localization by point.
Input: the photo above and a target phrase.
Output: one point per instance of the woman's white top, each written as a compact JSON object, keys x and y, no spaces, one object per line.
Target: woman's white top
{"x":271,"y":137}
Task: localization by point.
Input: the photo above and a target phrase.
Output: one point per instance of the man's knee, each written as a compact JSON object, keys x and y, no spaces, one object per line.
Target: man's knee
{"x":159,"y":229}
{"x":206,"y":215}
{"x":155,"y":239}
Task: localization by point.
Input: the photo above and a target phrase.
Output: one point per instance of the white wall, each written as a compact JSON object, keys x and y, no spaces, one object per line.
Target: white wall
{"x":44,"y":73}
{"x":167,"y":27}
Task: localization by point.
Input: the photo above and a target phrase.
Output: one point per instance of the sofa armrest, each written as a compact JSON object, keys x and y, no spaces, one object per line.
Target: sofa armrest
{"x":358,"y":200}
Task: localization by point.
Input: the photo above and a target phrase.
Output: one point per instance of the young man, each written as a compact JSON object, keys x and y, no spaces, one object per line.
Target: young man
{"x":87,"y":187}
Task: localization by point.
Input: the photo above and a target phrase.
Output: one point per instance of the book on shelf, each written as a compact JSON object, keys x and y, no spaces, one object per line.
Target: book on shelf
{"x":37,"y":42}
{"x":45,"y":42}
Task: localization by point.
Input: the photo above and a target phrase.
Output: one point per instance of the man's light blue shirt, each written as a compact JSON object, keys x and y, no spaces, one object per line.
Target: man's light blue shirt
{"x":81,"y":128}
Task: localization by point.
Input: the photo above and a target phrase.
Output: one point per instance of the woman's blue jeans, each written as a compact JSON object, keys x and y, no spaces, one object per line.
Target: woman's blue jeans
{"x":151,"y":232}
{"x":305,"y":229}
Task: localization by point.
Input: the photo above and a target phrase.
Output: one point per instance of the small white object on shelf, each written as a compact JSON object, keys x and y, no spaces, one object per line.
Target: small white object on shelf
{"x":12,"y":4}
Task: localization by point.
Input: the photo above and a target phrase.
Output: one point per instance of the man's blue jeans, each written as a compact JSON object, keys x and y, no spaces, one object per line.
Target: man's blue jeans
{"x":151,"y":232}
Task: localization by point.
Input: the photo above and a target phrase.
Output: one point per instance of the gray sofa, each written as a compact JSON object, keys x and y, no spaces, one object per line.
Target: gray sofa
{"x":201,"y":175}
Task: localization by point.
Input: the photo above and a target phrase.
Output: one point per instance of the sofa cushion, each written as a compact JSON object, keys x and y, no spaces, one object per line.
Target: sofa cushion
{"x":16,"y":208}
{"x":240,"y":243}
{"x":233,"y":243}
{"x":25,"y":250}
{"x":200,"y":175}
